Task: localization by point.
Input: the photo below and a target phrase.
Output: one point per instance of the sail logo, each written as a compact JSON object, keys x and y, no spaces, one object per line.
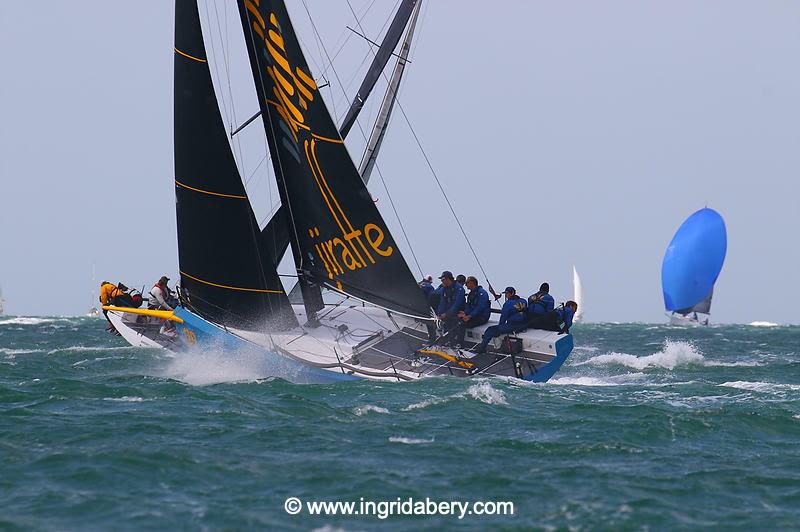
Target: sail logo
{"x":356,"y":247}
{"x":292,"y":88}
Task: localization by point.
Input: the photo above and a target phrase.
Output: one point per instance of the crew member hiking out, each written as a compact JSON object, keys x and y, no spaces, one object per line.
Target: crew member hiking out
{"x":559,"y":320}
{"x":512,"y":318}
{"x":541,"y":302}
{"x":113,"y":294}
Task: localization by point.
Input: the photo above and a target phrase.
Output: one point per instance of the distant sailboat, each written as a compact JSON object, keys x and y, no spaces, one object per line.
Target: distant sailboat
{"x":692,"y":263}
{"x":577,"y":295}
{"x":1,"y":302}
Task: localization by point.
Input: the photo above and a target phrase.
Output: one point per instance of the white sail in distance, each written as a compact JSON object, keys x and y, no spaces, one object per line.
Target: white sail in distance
{"x":577,"y":295}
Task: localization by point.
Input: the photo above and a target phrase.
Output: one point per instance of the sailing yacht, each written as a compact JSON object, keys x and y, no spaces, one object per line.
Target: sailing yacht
{"x":692,"y":263}
{"x":577,"y":295}
{"x":356,"y":311}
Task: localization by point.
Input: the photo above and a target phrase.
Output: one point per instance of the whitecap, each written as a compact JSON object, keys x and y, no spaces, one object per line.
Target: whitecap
{"x":125,"y":399}
{"x":758,"y":386}
{"x":674,"y":353}
{"x":409,"y":441}
{"x":619,"y":380}
{"x":365,"y":409}
{"x":28,"y":320}
{"x":9,"y":351}
{"x":486,"y":393}
{"x":763,"y":324}
{"x":426,"y":403}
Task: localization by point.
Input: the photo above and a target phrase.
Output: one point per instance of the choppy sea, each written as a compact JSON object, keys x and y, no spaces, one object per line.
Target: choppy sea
{"x":645,"y":427}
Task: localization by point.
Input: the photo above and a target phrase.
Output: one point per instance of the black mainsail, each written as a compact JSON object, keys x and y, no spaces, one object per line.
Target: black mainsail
{"x":228,"y":274}
{"x":337,"y":234}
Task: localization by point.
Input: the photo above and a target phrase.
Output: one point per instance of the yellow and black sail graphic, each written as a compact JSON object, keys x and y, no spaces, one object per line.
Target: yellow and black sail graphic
{"x":338,"y":234}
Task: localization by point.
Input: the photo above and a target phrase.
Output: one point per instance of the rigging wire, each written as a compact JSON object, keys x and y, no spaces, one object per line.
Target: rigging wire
{"x":341,"y":85}
{"x":430,"y":166}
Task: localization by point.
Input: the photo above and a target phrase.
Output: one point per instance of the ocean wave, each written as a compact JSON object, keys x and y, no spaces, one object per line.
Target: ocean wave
{"x":619,"y":380}
{"x":9,"y":351}
{"x":764,"y":387}
{"x":365,"y":409}
{"x":29,"y":320}
{"x":674,"y":353}
{"x":409,"y":441}
{"x":483,"y":391}
{"x":763,"y":324}
{"x":91,"y":348}
{"x":126,"y":399}
{"x":486,"y":393}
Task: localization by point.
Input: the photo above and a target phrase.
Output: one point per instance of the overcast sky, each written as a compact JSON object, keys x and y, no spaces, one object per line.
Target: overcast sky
{"x":563,"y":132}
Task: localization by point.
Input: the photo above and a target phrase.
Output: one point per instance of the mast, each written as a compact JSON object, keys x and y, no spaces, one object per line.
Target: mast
{"x":338,"y":237}
{"x":379,"y":130}
{"x":226,"y":272}
{"x":379,"y":62}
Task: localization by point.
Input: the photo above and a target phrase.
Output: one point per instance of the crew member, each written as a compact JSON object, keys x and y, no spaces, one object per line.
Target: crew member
{"x":559,"y":320}
{"x":160,"y":295}
{"x":476,"y":309}
{"x":451,"y":302}
{"x":541,"y":302}
{"x":461,"y":279}
{"x":426,"y":285}
{"x":112,"y":294}
{"x":512,"y":318}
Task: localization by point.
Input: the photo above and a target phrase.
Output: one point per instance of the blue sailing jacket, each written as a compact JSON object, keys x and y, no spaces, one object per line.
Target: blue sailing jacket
{"x":540,"y":303}
{"x":565,"y":316}
{"x":452,"y":299}
{"x":478,"y":305}
{"x":513,"y":310}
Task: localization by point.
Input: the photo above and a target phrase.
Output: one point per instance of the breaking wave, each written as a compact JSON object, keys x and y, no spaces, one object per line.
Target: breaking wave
{"x":482,"y":391}
{"x":763,"y":324}
{"x":674,"y":353}
{"x":409,"y":441}
{"x":765,"y":387}
{"x":365,"y":409}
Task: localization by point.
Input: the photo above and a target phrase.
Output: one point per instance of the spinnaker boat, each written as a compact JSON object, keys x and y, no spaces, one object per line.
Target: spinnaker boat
{"x":691,"y":266}
{"x":356,"y":310}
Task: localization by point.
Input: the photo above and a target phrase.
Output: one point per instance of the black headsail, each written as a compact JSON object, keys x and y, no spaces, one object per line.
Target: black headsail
{"x":278,"y":224}
{"x":338,"y":236}
{"x":227,"y":272}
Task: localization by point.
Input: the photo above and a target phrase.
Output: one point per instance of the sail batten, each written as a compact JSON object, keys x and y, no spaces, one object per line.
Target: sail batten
{"x":227,"y":271}
{"x":338,"y":236}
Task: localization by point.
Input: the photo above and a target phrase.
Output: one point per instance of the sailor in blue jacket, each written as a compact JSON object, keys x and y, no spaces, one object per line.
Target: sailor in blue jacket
{"x":541,"y":302}
{"x":559,"y":320}
{"x":512,"y":318}
{"x":476,"y":310}
{"x":451,"y":302}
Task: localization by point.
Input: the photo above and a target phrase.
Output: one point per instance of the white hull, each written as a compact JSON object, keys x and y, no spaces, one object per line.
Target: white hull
{"x":365,"y":342}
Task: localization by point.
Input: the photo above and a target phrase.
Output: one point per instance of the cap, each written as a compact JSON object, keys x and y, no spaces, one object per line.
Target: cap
{"x":163,"y":279}
{"x":509,"y":289}
{"x":446,"y":275}
{"x":461,"y":278}
{"x":121,"y":286}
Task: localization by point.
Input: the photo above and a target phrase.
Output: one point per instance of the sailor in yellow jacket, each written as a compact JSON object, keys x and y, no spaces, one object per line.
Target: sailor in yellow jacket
{"x":108,"y":293}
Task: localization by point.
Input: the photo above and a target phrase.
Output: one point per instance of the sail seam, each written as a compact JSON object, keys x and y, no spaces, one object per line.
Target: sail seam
{"x":184,"y":54}
{"x":234,"y":196}
{"x":262,"y":290}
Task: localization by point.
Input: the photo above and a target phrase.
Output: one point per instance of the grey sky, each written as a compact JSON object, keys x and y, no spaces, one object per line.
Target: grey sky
{"x":564,"y":133}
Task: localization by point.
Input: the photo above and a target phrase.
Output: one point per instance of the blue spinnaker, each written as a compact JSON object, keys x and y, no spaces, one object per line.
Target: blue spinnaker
{"x":693,"y":261}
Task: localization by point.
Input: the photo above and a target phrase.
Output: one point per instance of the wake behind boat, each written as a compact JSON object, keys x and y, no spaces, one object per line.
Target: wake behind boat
{"x":377,"y":322}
